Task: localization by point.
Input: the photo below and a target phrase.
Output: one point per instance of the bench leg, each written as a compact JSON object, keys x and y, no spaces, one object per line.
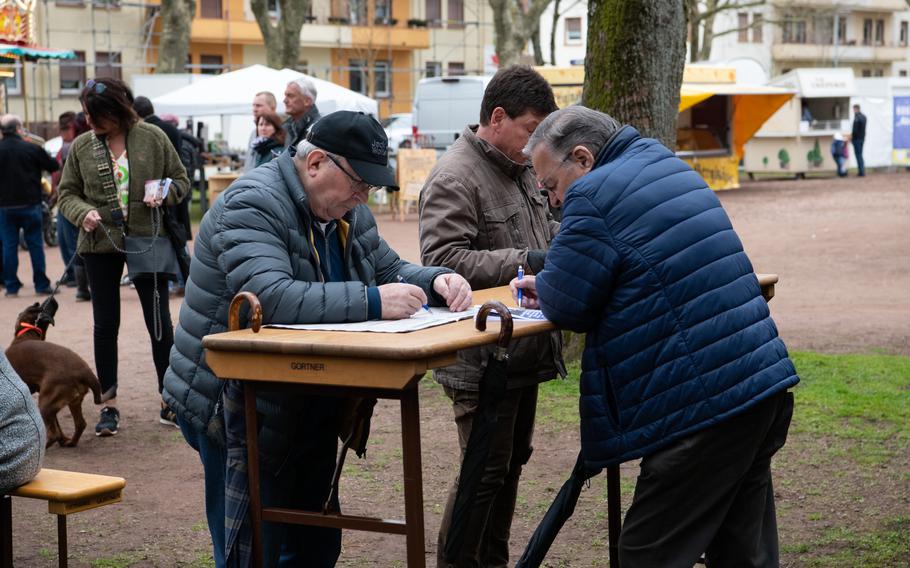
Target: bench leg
{"x":413,"y":478}
{"x":62,"y":551}
{"x":6,"y":532}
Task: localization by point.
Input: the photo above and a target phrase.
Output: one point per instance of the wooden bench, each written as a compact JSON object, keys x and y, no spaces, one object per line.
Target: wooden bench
{"x":66,"y":492}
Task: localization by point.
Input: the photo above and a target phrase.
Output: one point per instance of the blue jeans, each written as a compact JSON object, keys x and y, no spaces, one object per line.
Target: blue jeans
{"x":858,"y":150}
{"x":214,"y":458}
{"x":841,"y":165}
{"x":28,"y":219}
{"x":67,"y":235}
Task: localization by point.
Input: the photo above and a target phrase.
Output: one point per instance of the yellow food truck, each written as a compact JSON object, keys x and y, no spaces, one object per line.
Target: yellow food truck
{"x":717,"y":116}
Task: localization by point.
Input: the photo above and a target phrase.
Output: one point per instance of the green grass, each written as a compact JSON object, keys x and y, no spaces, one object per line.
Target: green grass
{"x":843,"y":548}
{"x":118,"y":561}
{"x":557,"y":402}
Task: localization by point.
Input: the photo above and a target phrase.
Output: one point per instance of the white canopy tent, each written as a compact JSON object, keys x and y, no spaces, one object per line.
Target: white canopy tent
{"x":230,"y":96}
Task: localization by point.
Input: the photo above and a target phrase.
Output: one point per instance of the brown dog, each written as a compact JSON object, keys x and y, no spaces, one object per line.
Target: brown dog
{"x":59,"y":376}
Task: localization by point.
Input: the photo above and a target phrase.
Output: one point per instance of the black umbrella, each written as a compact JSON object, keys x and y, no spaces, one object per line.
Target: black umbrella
{"x":492,"y":391}
{"x":564,"y":506}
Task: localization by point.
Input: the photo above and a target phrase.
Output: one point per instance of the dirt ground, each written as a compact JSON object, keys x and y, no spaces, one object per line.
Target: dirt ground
{"x":840,"y":247}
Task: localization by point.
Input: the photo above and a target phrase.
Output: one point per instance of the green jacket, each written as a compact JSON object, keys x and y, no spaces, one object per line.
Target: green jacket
{"x":151,"y":156}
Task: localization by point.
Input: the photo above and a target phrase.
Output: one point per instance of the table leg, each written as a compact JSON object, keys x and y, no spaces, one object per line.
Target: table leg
{"x":62,"y":549}
{"x":614,"y":514}
{"x":252,"y":458}
{"x":413,"y":477}
{"x":6,"y":532}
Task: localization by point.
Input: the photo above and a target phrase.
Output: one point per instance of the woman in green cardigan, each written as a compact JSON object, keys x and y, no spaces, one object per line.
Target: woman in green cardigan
{"x":136,"y":153}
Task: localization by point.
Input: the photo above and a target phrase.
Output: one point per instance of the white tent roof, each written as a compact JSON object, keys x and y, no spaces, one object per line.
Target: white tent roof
{"x":232,"y":93}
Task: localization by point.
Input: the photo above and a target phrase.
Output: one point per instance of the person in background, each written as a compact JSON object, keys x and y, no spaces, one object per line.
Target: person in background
{"x":22,"y":434}
{"x":21,"y":194}
{"x":146,"y":111}
{"x":270,"y":142}
{"x":263,"y":102}
{"x":838,"y":151}
{"x":71,"y":125}
{"x":858,"y":138}
{"x":300,"y":105}
{"x":683,"y":366}
{"x":137,"y":153}
{"x":482,"y":215}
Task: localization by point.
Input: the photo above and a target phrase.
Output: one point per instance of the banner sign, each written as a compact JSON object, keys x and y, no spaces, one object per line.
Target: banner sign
{"x":901,"y":140}
{"x":17,"y":21}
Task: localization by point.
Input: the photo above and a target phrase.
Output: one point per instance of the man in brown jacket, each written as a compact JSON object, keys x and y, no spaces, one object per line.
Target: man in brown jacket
{"x":482,"y":215}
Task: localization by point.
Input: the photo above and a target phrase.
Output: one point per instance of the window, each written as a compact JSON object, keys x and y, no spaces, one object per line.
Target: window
{"x":433,"y":69}
{"x":794,"y":31}
{"x":357,"y":12}
{"x":841,"y":30}
{"x":867,"y":73}
{"x":382,"y":11}
{"x":210,"y":64}
{"x":456,"y":14}
{"x":356,"y":77}
{"x":758,"y":21}
{"x":904,"y":33}
{"x":107,"y":64}
{"x":867,"y":31}
{"x":823,"y":30}
{"x":903,"y":73}
{"x":274,"y":7}
{"x":573,"y":30}
{"x":211,"y":9}
{"x":878,"y":72}
{"x":303,"y":66}
{"x":879,"y":32}
{"x":13,"y":85}
{"x":72,"y":74}
{"x":456,"y":68}
{"x":743,"y":25}
{"x":434,"y":13}
{"x":382,"y":80}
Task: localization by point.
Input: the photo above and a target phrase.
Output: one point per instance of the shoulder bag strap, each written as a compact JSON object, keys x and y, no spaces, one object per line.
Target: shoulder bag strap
{"x":103,"y":164}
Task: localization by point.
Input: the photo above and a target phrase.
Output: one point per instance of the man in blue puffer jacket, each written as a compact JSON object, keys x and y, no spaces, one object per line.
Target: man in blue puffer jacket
{"x":682,"y":364}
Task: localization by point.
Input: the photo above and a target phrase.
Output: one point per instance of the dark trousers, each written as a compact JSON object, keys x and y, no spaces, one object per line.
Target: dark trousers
{"x":29,"y":220}
{"x":214,"y":460}
{"x":302,"y":480}
{"x":486,"y":542}
{"x":104,"y":272}
{"x":858,"y":150}
{"x":710,"y":493}
{"x":67,"y":235}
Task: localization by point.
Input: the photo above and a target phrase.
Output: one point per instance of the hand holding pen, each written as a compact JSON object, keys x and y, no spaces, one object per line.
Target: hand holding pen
{"x":425,"y":305}
{"x":526,"y":289}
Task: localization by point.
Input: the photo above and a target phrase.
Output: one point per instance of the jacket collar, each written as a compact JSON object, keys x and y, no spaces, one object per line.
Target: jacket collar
{"x":493,"y":154}
{"x":616,"y":145}
{"x":11,"y":136}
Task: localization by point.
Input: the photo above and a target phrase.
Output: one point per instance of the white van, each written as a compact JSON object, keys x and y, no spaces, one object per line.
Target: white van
{"x":443,"y":106}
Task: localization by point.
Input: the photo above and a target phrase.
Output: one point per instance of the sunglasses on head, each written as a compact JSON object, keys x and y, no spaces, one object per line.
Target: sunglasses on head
{"x":95,"y":86}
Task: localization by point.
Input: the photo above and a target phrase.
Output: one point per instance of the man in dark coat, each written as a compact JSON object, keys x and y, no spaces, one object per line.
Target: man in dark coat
{"x":858,"y":137}
{"x":300,"y":104}
{"x":21,"y":164}
{"x":298,"y":234}
{"x":682,"y":365}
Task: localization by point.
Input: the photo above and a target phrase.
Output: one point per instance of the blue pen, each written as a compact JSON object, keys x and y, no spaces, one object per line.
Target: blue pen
{"x":402,"y":281}
{"x":521,"y":274}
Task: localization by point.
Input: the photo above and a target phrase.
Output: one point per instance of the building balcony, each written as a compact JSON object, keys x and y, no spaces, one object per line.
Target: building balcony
{"x":856,"y":5}
{"x":842,"y":53}
{"x":315,"y":34}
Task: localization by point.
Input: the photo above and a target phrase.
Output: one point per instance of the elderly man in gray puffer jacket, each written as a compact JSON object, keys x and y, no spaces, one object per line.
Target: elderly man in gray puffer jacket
{"x":22,"y":435}
{"x":297,"y":233}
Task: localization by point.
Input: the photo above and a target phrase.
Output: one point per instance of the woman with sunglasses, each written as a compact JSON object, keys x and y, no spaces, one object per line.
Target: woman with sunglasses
{"x":135,"y":153}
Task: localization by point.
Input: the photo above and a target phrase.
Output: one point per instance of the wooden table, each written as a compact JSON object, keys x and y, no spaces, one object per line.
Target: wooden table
{"x":375,"y":365}
{"x":219,"y":182}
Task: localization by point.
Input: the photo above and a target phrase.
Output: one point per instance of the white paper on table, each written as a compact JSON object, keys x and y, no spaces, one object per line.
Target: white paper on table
{"x":519,"y":314}
{"x":421,"y":320}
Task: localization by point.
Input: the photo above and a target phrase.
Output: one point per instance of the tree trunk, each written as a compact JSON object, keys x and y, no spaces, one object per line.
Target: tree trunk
{"x":707,"y":31}
{"x":538,"y":50}
{"x":174,"y":44}
{"x":634,"y":65}
{"x":693,"y":25}
{"x":502,"y":37}
{"x":553,"y":31}
{"x":514,"y":26}
{"x":282,"y":37}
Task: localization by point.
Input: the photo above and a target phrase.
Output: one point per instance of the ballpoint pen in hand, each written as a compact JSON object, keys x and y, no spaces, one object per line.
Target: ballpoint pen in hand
{"x":401,"y":280}
{"x":521,"y":274}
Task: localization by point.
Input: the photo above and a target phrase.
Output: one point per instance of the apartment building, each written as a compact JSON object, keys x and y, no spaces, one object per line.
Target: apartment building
{"x":568,"y":39}
{"x":869,"y":36}
{"x":109,"y":38}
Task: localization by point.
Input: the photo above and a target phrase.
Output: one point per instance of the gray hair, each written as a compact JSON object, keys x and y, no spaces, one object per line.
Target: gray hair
{"x":304,"y":149}
{"x":573,"y":126}
{"x":306,"y":87}
{"x":10,"y":124}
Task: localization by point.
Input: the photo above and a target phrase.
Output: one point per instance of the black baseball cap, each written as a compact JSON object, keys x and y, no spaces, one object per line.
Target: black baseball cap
{"x":360,"y":139}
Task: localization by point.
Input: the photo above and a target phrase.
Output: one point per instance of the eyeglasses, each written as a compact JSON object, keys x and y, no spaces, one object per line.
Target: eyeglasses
{"x":356,"y":183}
{"x":551,"y":186}
{"x":95,"y":86}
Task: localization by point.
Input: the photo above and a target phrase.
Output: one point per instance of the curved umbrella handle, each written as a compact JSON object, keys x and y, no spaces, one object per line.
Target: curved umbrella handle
{"x":255,"y":311}
{"x":505,"y":327}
